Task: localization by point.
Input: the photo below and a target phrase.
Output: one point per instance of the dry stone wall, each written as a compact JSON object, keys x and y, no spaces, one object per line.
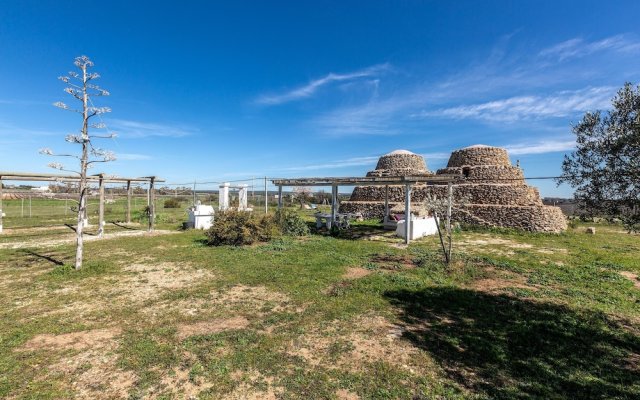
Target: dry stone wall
{"x":494,"y":190}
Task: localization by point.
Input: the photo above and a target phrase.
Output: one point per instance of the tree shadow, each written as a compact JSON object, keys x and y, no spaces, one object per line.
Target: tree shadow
{"x":120,"y":225}
{"x":504,"y":347}
{"x":43,"y":257}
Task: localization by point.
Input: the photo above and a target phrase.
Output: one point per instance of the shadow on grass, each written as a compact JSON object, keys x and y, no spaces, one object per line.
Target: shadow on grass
{"x":43,"y":257}
{"x":504,"y":347}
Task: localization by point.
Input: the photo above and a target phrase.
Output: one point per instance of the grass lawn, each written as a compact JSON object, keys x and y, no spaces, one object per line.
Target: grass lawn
{"x":357,"y":316}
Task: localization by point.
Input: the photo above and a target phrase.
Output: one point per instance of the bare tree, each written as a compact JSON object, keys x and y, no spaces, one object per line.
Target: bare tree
{"x":302,"y":193}
{"x":81,"y":88}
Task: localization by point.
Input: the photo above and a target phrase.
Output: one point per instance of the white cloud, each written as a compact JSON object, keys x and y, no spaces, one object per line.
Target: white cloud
{"x":351,"y":162}
{"x":578,"y":47}
{"x":560,"y":104}
{"x":136,"y":129}
{"x":310,"y":88}
{"x":541,"y":147}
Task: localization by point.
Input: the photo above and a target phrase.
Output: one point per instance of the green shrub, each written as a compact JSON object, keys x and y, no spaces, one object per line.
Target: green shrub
{"x":238,"y":228}
{"x":290,"y":223}
{"x":172,"y":203}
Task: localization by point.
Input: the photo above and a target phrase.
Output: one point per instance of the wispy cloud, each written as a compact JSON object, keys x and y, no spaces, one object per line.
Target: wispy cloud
{"x":578,"y":47}
{"x":561,"y":104}
{"x":312,"y":87}
{"x":541,"y":147}
{"x":350,"y":162}
{"x":132,"y":156}
{"x":136,"y":129}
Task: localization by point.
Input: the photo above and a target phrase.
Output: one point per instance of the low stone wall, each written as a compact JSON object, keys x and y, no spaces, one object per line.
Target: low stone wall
{"x":479,"y":156}
{"x":527,"y":218}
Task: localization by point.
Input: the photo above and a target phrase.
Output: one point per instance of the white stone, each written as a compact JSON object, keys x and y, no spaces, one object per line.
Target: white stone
{"x":419,"y":227}
{"x":200,"y":217}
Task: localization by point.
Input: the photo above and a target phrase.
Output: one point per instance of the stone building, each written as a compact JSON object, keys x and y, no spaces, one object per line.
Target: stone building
{"x":494,"y":191}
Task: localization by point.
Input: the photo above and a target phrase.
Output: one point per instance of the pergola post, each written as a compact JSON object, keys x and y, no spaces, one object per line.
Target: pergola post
{"x":334,"y":203}
{"x":0,"y":204}
{"x":152,"y":206}
{"x":101,"y":206}
{"x":279,"y":197}
{"x":129,"y":192}
{"x":386,"y":204}
{"x":407,"y":213}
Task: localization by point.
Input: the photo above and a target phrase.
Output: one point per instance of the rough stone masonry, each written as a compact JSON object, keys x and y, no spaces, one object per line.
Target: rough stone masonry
{"x":495,"y":192}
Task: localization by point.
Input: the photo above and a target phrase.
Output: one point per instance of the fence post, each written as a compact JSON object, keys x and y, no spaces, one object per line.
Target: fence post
{"x":266,"y":197}
{"x":29,"y":206}
{"x":101,"y":206}
{"x":128,"y":202}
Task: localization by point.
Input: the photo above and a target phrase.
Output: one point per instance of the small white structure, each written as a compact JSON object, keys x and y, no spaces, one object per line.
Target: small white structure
{"x":200,"y":217}
{"x":223,"y":197}
{"x":418,"y":228}
{"x":2,"y":215}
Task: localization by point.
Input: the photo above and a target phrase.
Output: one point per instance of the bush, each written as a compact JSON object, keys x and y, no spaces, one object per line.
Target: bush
{"x":172,"y":203}
{"x":290,"y":223}
{"x":238,"y":228}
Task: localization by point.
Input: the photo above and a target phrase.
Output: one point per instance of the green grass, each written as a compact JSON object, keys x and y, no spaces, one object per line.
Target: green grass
{"x":530,"y":316}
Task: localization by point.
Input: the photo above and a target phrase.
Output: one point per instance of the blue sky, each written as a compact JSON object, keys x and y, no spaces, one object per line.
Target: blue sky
{"x":241,"y":89}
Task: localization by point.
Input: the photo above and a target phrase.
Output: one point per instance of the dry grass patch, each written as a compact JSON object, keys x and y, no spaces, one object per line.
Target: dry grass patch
{"x":75,"y":340}
{"x":356,"y":273}
{"x":212,"y":326}
{"x":249,"y":384}
{"x":91,"y":369}
{"x":632,"y":277}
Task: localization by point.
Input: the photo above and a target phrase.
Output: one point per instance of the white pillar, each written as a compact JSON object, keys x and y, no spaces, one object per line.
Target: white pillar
{"x":242,"y":197}
{"x":223,"y":197}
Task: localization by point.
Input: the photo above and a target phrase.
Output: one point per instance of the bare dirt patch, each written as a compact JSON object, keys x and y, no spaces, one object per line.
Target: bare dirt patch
{"x":344,"y":394}
{"x":150,"y":281}
{"x":91,"y":369}
{"x":75,"y":340}
{"x":212,"y":326}
{"x":356,"y":273}
{"x":180,"y":384}
{"x":632,"y":277}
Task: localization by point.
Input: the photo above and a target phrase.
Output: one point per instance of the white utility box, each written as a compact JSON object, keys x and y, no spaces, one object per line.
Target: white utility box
{"x":200,"y":217}
{"x":419,"y":227}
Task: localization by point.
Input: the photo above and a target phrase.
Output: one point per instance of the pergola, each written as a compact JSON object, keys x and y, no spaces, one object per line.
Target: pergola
{"x":101,"y":179}
{"x":407,"y":181}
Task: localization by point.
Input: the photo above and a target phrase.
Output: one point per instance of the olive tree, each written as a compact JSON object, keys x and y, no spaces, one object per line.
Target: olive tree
{"x":605,"y":167}
{"x":81,"y":87}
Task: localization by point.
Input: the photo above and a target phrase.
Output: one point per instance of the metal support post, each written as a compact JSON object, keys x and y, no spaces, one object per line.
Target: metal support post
{"x":152,"y":207}
{"x":279,"y":197}
{"x":407,"y":213}
{"x":129,"y":192}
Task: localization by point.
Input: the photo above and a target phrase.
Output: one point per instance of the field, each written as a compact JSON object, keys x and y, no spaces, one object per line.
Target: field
{"x":165,"y":316}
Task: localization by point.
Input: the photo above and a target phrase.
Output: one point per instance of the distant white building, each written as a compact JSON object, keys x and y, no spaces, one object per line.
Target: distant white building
{"x":41,"y":189}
